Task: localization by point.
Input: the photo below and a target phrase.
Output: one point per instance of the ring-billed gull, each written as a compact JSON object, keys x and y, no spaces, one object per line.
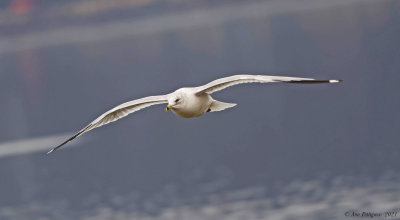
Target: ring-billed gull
{"x":188,"y":102}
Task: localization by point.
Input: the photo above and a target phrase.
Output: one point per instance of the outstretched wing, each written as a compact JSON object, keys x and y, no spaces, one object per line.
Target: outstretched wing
{"x":225,"y":82}
{"x":116,"y":113}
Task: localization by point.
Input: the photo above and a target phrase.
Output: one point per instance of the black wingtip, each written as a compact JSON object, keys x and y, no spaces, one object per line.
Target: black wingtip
{"x":311,"y":81}
{"x":63,"y":143}
{"x":70,"y":139}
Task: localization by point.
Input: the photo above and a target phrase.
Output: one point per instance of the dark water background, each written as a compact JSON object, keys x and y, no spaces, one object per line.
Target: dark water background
{"x":284,"y":152}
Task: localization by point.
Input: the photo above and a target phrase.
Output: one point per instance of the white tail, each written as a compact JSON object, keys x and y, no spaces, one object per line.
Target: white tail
{"x":219,"y":106}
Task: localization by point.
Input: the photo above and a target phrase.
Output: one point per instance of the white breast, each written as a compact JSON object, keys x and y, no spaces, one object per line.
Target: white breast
{"x":194,"y":106}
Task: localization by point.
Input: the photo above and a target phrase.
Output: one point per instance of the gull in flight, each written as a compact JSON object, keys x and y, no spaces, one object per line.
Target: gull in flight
{"x":188,"y":102}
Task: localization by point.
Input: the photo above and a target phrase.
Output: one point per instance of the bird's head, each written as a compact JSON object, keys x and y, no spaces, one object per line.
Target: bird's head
{"x":175,"y":101}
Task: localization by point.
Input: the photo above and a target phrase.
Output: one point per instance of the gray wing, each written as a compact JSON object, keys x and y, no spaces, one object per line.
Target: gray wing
{"x":225,"y":82}
{"x":116,"y":113}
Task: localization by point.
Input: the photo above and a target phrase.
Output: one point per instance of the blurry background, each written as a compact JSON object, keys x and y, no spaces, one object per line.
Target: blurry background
{"x":285,"y":152}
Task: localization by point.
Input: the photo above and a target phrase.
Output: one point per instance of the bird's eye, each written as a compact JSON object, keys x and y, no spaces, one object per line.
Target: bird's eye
{"x":177,"y":100}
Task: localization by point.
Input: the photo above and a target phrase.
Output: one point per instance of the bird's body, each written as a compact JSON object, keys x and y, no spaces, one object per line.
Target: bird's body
{"x":188,"y":102}
{"x":194,"y":105}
